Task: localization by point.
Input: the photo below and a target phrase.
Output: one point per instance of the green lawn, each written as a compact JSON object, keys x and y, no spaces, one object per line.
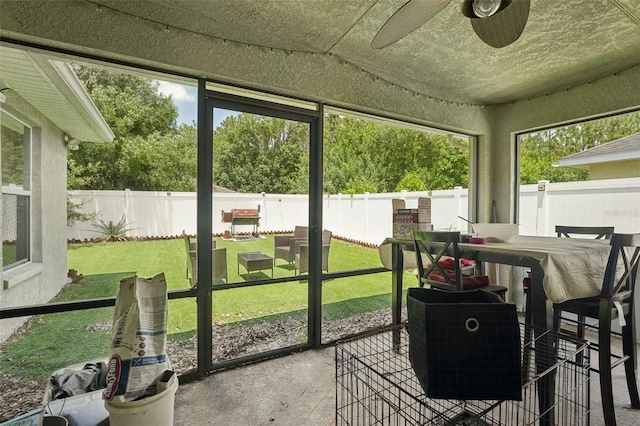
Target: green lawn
{"x":66,"y":338}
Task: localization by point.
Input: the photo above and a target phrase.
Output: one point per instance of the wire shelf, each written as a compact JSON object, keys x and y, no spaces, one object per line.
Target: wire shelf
{"x":376,"y":385}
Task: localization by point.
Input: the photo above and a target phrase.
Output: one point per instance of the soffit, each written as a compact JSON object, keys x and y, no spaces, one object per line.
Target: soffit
{"x":53,"y":89}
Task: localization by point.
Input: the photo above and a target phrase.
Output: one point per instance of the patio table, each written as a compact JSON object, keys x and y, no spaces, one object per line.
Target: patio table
{"x":255,"y":261}
{"x":561,"y":269}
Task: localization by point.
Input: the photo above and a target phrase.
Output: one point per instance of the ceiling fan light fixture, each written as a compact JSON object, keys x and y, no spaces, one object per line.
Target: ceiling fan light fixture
{"x":497,"y":23}
{"x":485,"y":8}
{"x":482,"y":9}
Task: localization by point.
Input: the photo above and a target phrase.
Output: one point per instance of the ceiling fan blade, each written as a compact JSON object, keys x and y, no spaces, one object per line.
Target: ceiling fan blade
{"x":504,"y":27}
{"x":407,"y":19}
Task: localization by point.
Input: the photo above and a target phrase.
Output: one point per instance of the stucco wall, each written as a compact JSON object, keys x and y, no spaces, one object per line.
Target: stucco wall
{"x":610,"y":94}
{"x":40,"y":280}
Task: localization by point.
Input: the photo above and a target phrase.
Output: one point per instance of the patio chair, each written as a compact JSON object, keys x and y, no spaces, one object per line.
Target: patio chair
{"x":189,"y":247}
{"x":218,"y":267}
{"x":192,"y":270}
{"x":302,"y":257}
{"x":615,"y":302}
{"x":440,"y":267}
{"x":285,"y":247}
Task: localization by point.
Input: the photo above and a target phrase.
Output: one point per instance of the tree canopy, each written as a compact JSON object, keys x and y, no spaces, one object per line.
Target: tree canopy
{"x":539,"y":151}
{"x":264,"y":154}
{"x":255,"y":153}
{"x":364,"y":156}
{"x":149,"y":152}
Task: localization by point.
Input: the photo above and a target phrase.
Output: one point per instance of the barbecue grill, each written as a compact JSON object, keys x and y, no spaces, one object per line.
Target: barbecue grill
{"x":242,"y":217}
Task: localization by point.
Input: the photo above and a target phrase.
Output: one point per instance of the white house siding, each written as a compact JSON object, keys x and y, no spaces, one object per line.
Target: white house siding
{"x":42,"y":278}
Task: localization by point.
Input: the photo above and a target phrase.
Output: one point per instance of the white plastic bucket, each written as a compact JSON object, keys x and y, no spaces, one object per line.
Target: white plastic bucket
{"x":156,"y":410}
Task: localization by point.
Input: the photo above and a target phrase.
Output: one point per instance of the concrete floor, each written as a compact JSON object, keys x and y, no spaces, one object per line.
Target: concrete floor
{"x":300,"y":390}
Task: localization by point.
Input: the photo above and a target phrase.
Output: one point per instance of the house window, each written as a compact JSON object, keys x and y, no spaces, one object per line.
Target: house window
{"x":15,"y":141}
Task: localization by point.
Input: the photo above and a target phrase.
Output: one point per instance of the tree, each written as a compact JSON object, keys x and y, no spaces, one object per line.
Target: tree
{"x":131,"y":105}
{"x":349,"y":156}
{"x":261,"y":154}
{"x":368,"y":156}
{"x":539,"y":151}
{"x":148,"y":151}
{"x":159,"y":162}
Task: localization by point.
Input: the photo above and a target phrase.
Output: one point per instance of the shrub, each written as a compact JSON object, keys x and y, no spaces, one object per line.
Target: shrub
{"x":113,"y":231}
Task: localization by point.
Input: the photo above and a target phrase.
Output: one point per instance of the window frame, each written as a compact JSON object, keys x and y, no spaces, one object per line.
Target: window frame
{"x":21,"y":191}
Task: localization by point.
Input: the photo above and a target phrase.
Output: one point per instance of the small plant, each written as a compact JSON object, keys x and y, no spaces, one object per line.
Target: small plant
{"x":113,"y":231}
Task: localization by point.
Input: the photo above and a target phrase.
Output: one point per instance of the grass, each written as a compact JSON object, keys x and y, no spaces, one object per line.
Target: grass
{"x":58,"y":340}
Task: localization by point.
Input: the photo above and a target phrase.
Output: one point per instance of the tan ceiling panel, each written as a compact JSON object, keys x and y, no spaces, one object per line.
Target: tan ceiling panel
{"x":564,"y":44}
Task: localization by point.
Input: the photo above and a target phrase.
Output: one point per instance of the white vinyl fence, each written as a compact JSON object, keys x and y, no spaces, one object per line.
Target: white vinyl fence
{"x":365,"y":217}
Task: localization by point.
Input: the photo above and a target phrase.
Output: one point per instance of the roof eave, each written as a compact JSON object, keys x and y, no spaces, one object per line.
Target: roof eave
{"x":583,"y":163}
{"x":83,"y":103}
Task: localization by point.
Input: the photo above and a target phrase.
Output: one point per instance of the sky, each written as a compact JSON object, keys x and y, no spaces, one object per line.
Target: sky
{"x":186,"y":99}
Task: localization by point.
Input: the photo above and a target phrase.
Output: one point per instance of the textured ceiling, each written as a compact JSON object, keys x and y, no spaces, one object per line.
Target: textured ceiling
{"x":565,"y":43}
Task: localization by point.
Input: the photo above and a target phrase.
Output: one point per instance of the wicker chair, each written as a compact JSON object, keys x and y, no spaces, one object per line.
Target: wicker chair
{"x":219,"y":265}
{"x":188,"y":247}
{"x":219,"y":256}
{"x":302,"y":258}
{"x":285,"y":247}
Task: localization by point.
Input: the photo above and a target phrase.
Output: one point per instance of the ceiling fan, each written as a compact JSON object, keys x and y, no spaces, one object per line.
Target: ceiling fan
{"x":498,"y":23}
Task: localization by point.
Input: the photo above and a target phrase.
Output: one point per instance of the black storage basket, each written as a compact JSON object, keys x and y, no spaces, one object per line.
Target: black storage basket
{"x":464,"y":345}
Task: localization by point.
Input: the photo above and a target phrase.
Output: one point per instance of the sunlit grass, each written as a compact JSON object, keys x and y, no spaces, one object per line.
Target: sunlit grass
{"x":67,"y":338}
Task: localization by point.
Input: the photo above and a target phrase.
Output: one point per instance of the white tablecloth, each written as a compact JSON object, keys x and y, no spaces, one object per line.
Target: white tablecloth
{"x":573,"y":267}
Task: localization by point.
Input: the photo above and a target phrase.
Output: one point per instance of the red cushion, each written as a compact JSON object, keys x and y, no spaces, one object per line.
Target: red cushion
{"x":526,"y":283}
{"x":468,"y":281}
{"x":449,"y":263}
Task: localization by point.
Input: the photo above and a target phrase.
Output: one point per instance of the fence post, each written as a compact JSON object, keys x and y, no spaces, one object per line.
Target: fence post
{"x":366,"y":220}
{"x":125,"y":213}
{"x":263,"y":213}
{"x":96,"y":206}
{"x":340,"y":213}
{"x":457,"y":192}
{"x":541,"y":210}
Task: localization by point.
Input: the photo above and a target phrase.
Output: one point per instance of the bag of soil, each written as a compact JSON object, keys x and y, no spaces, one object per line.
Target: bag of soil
{"x":138,"y":353}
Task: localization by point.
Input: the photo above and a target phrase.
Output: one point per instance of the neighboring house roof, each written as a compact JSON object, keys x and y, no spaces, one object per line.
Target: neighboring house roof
{"x":220,"y":189}
{"x":52,"y":88}
{"x":623,"y":149}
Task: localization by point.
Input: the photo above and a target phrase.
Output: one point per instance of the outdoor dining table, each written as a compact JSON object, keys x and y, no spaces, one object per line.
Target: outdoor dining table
{"x":561,"y":269}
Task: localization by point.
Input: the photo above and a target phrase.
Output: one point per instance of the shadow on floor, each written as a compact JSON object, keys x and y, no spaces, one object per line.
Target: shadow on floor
{"x":300,"y":389}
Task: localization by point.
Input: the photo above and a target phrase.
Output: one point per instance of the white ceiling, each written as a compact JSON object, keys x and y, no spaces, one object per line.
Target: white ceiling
{"x":565,"y":43}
